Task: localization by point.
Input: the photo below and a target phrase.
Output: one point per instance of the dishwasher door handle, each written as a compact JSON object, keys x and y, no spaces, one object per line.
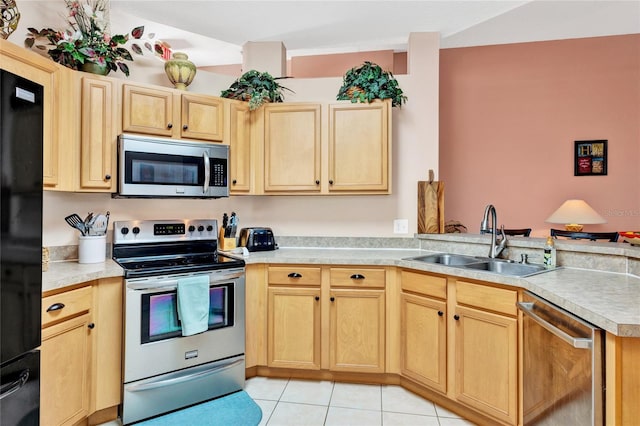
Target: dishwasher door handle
{"x":576,"y":342}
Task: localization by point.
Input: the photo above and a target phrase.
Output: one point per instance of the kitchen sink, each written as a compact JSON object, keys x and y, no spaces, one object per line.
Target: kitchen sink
{"x":507,"y":268}
{"x":447,"y":259}
{"x":487,"y":264}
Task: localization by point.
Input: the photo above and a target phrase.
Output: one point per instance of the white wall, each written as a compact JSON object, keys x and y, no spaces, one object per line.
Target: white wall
{"x":415,"y":151}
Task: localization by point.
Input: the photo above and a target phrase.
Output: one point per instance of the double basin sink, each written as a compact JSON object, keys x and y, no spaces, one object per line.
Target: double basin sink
{"x":487,"y":264}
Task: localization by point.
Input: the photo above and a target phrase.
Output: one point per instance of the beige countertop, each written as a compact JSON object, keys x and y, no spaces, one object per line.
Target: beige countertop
{"x":608,"y":300}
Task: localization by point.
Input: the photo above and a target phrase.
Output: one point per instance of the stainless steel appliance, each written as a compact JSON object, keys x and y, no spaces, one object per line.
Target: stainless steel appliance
{"x":563,"y":366}
{"x":164,"y":370}
{"x":164,"y":168}
{"x":21,"y":133}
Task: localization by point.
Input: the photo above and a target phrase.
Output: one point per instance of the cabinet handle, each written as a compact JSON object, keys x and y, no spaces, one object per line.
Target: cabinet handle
{"x":185,"y":127}
{"x":357,"y":277}
{"x":317,"y":298}
{"x":294,"y":275}
{"x":333,"y":299}
{"x":331,"y":182}
{"x":55,"y":307}
{"x":91,"y":325}
{"x":317,"y":182}
{"x":456,"y":317}
{"x":234,"y":181}
{"x":170,"y":125}
{"x":440,"y":313}
{"x":107,"y":177}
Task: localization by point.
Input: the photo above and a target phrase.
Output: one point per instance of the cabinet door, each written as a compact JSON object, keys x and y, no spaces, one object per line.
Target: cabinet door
{"x":240,"y":147}
{"x":293,"y":336}
{"x":98,"y":142}
{"x":486,"y":362}
{"x":292,"y":148}
{"x":146,"y":110}
{"x":64,"y":377}
{"x":424,"y":340}
{"x":357,"y":331}
{"x":359,"y":154}
{"x":202,"y":118}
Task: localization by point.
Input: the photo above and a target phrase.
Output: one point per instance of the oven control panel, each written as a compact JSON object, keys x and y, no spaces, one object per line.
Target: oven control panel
{"x":153,"y":231}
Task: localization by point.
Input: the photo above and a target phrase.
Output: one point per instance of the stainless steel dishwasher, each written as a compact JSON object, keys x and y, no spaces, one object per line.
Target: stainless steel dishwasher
{"x":563,"y":366}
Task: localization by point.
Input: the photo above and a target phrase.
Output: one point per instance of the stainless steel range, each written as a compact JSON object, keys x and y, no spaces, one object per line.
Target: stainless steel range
{"x":166,"y":368}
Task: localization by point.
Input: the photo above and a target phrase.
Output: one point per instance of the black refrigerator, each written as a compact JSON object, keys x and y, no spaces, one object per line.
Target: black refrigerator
{"x":21,"y":131}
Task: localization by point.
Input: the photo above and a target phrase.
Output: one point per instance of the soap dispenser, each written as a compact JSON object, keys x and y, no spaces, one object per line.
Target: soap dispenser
{"x":549,"y":253}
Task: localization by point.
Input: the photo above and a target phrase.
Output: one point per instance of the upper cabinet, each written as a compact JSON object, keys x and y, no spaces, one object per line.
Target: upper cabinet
{"x":359,"y":150}
{"x":164,"y":112}
{"x":320,"y":149}
{"x":240,"y":156}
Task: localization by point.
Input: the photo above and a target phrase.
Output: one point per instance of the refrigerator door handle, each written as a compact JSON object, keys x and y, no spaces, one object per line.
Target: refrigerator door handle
{"x":14,"y":386}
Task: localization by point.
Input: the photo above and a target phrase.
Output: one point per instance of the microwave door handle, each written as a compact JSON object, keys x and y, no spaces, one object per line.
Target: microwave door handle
{"x":207,"y":173}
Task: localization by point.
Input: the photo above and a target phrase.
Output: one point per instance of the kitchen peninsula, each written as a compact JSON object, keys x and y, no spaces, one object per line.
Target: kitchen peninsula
{"x":599,"y":282}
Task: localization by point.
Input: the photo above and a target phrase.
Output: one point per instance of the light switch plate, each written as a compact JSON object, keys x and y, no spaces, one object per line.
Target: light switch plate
{"x":401,"y":226}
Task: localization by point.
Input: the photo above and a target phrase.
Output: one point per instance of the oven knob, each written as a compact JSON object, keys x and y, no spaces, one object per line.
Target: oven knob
{"x":192,"y":228}
{"x":124,"y":230}
{"x":136,"y":230}
{"x":209,"y":228}
{"x":200,"y":228}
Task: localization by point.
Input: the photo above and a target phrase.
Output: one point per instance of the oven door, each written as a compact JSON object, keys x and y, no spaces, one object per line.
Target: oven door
{"x":153,"y":337}
{"x":151,"y":167}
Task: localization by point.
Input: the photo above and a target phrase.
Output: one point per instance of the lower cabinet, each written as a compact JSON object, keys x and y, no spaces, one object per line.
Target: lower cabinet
{"x":81,"y":353}
{"x":339,"y":312}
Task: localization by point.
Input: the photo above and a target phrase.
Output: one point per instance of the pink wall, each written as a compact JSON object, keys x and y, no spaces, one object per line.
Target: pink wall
{"x":509,"y":116}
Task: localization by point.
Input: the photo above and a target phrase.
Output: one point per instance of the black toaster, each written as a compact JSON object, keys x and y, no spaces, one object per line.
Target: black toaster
{"x":257,"y":239}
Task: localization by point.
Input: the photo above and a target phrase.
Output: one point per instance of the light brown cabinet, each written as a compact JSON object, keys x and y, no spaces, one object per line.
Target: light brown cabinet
{"x":98,"y":141}
{"x":424,"y":329}
{"x":81,"y":353}
{"x":168,"y":113}
{"x":322,"y":318}
{"x":240,"y":147}
{"x":484,"y":334}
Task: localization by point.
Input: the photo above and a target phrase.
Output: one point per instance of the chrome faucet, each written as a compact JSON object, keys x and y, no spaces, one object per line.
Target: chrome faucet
{"x":496,"y":246}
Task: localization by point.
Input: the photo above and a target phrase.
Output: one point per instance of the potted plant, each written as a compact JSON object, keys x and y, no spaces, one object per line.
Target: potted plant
{"x":87,"y":42}
{"x":257,"y":88}
{"x":368,"y":82}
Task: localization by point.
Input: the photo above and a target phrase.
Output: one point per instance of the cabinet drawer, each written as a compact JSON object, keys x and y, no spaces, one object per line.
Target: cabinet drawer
{"x":486,"y":297}
{"x":357,"y":277}
{"x":70,"y":303}
{"x":294,"y":275}
{"x":426,"y":284}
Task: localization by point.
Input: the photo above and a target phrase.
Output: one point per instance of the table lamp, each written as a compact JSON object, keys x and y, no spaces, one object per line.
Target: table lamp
{"x":574,"y":214}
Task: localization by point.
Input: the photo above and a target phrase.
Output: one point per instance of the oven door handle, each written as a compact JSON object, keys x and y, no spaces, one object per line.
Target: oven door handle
{"x":576,"y":342}
{"x":207,"y":172}
{"x":183,"y":378}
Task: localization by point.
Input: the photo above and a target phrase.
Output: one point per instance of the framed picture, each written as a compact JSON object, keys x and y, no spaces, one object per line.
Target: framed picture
{"x":590,"y":158}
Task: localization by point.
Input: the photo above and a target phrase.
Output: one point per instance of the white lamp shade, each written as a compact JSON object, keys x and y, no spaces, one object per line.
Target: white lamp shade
{"x":575,"y":211}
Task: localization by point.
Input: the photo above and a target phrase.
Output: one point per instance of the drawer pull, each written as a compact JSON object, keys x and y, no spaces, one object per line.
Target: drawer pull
{"x":456,"y":317}
{"x":185,"y":127}
{"x":55,"y":307}
{"x":332,"y":299}
{"x":357,"y":277}
{"x":317,"y":298}
{"x":91,"y":325}
{"x":440,"y":313}
{"x":294,"y":275}
{"x":170,"y":125}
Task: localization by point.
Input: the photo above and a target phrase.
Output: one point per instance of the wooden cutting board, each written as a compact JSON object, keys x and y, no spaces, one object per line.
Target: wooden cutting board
{"x":430,"y":206}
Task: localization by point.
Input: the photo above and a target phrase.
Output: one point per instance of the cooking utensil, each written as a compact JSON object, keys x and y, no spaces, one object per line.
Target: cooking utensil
{"x":100,"y":225}
{"x":75,"y":221}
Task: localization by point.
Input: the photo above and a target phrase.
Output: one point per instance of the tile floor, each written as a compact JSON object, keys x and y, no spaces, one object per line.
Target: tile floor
{"x":292,"y":402}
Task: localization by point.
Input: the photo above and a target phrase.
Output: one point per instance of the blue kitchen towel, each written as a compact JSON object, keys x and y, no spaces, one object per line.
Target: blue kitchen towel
{"x":193,"y":304}
{"x":237,"y":409}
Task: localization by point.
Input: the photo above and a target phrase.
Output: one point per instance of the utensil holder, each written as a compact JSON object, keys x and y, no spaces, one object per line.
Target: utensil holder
{"x":225,"y":244}
{"x":92,"y":248}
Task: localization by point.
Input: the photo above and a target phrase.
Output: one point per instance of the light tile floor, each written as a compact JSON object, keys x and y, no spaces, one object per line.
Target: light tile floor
{"x":292,"y":402}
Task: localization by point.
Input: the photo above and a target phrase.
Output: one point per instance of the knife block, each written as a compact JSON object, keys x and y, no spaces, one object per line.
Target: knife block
{"x":225,"y":244}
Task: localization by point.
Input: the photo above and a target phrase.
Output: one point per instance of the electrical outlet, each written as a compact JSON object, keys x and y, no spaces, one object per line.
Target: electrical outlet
{"x":401,"y":226}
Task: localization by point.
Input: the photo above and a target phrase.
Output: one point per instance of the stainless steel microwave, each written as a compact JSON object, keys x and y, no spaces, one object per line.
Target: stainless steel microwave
{"x":151,"y":167}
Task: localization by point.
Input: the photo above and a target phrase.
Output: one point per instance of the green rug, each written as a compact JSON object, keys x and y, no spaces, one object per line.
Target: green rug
{"x":236,"y":409}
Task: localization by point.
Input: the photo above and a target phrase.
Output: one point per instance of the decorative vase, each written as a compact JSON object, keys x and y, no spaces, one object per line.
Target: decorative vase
{"x":180,"y":70}
{"x":9,"y":17}
{"x":94,"y":68}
